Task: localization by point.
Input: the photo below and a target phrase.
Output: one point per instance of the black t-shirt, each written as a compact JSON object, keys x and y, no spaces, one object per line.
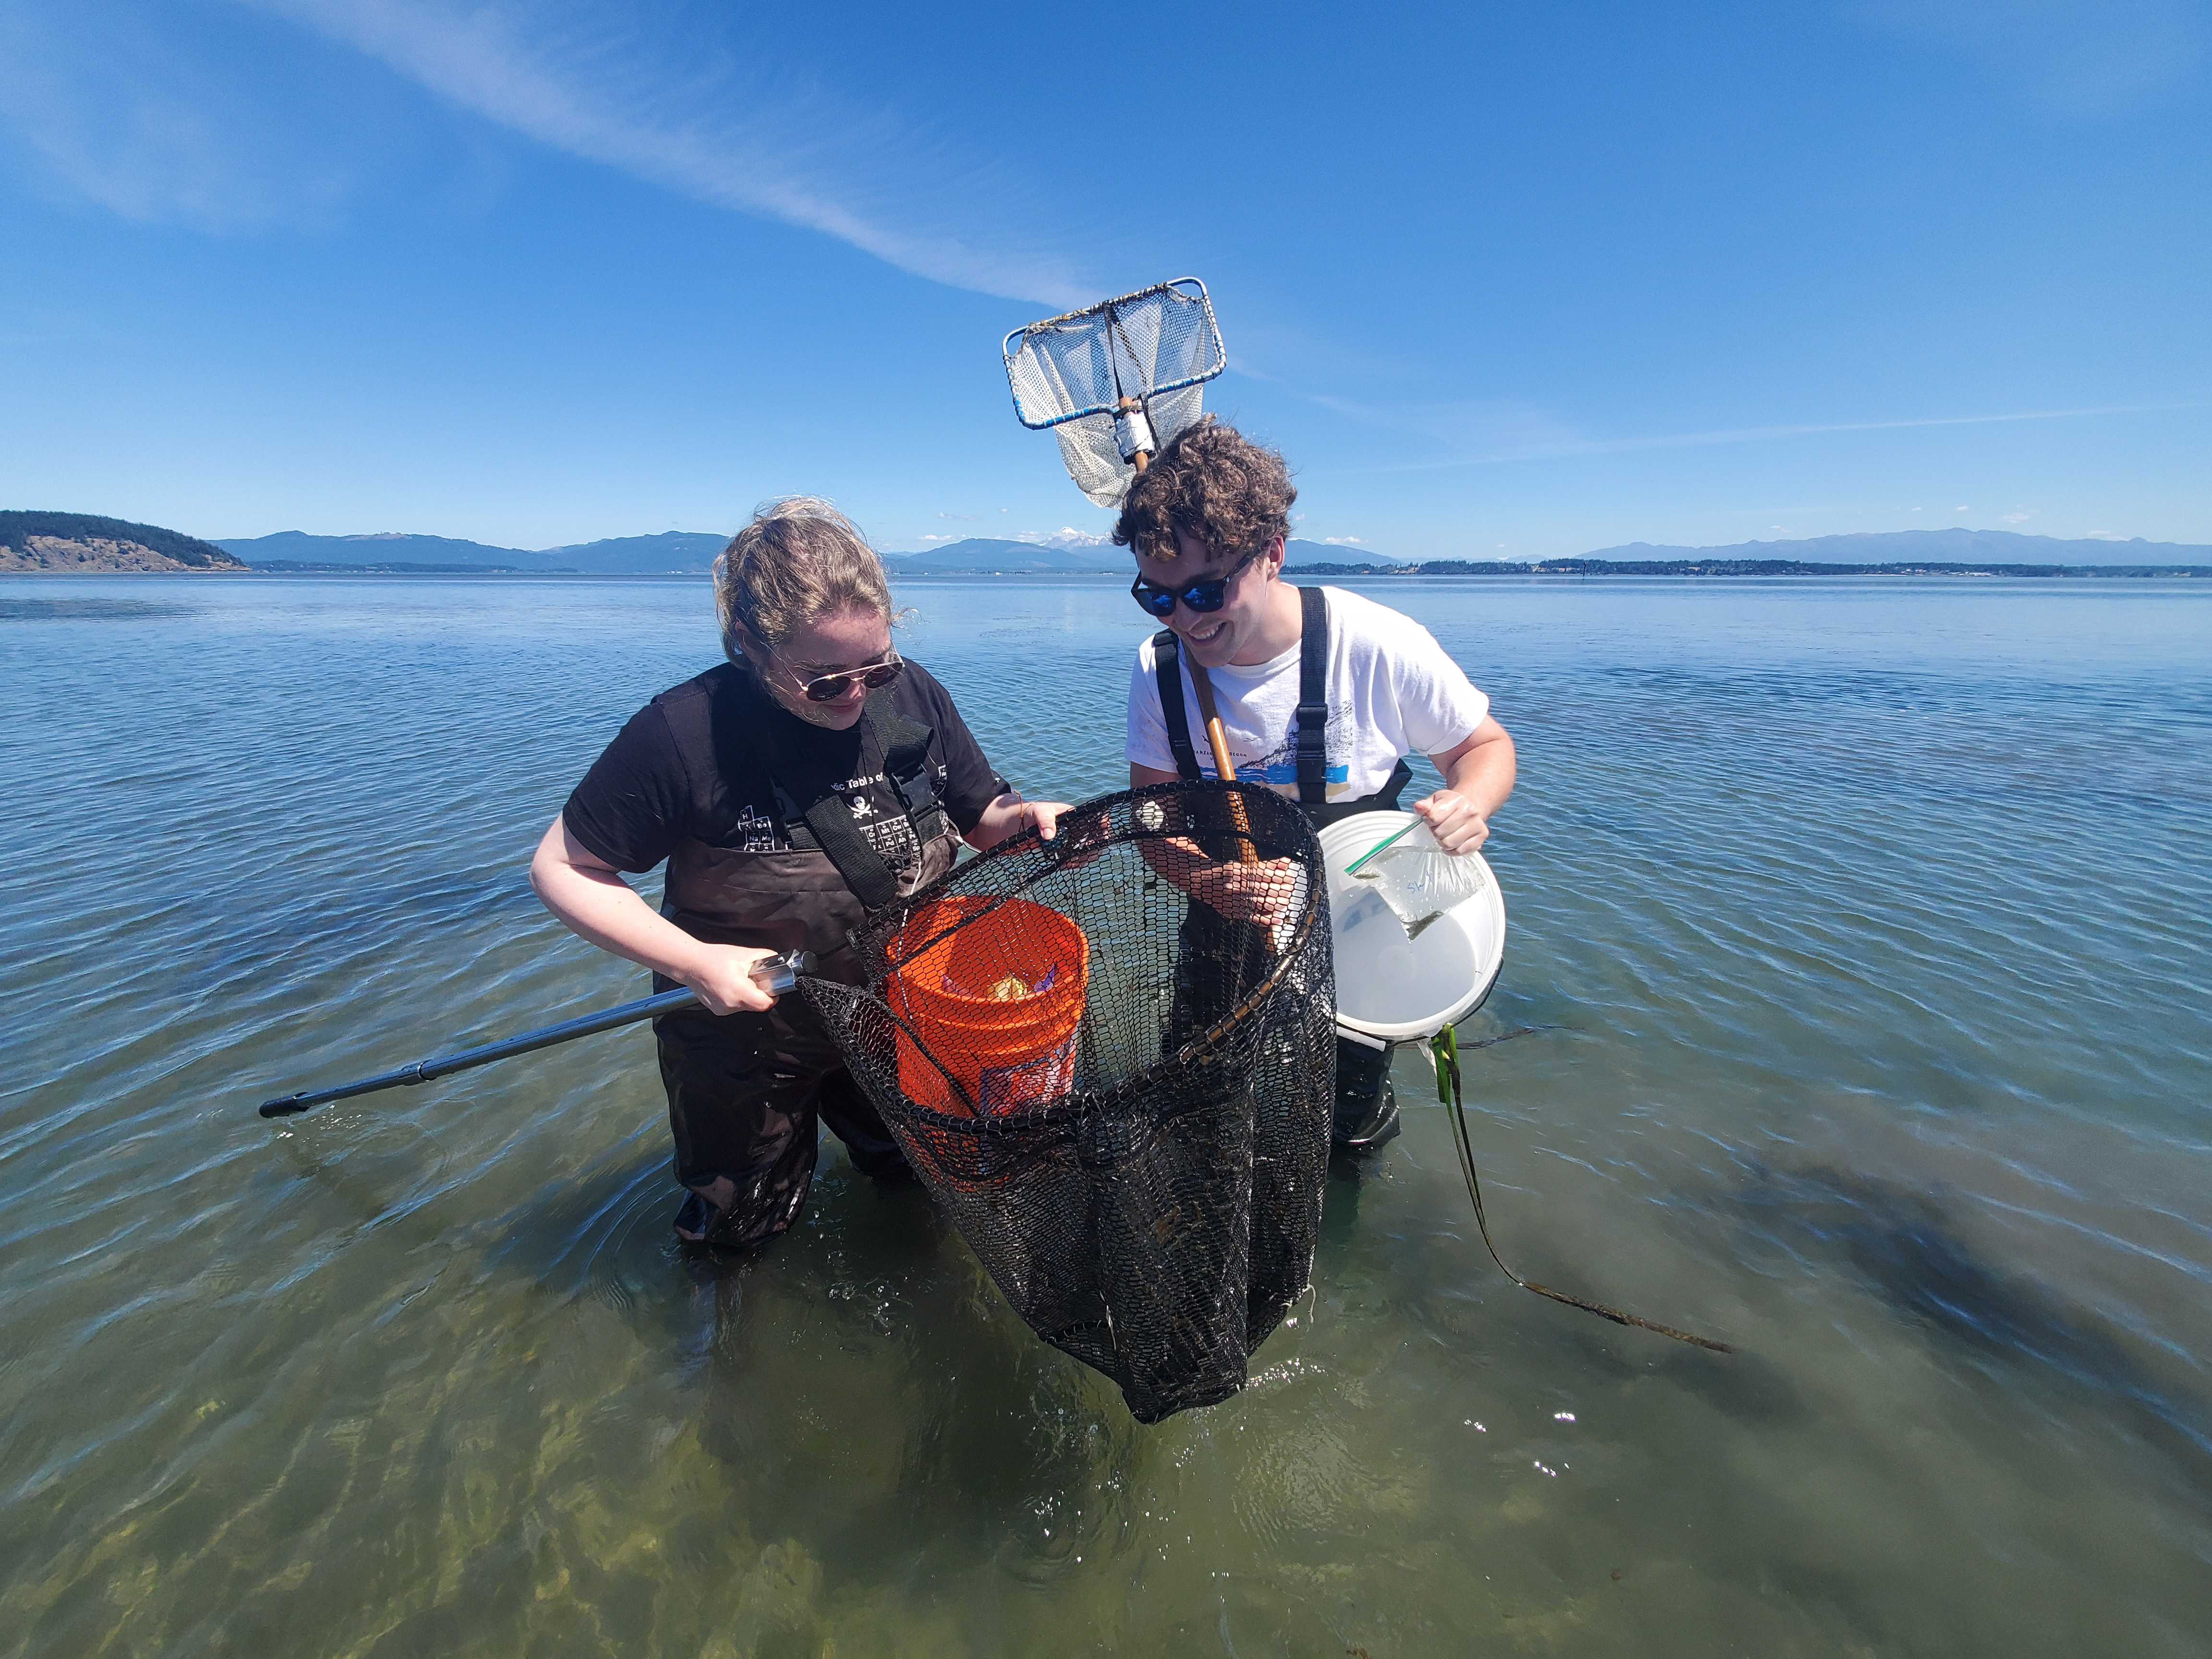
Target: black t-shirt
{"x":694,"y":763}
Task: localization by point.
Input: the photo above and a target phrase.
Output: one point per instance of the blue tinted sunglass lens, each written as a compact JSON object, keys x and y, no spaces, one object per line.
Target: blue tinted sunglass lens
{"x":1157,"y":601}
{"x":1198,"y":596}
{"x":1205,"y":596}
{"x":1201,"y":597}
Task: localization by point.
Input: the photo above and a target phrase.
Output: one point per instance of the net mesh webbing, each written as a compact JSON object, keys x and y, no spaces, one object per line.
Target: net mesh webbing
{"x":1070,"y":372}
{"x":1143,"y":1179}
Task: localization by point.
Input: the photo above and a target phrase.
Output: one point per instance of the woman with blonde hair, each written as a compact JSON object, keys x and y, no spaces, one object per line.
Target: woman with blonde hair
{"x":813,"y":777}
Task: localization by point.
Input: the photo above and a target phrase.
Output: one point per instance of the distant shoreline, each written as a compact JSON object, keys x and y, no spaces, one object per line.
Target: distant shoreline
{"x":1783,"y":567}
{"x":42,"y":542}
{"x":1765,"y":569}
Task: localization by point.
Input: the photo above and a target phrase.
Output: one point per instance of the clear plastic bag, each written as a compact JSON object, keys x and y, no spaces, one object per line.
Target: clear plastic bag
{"x":1417,"y":879}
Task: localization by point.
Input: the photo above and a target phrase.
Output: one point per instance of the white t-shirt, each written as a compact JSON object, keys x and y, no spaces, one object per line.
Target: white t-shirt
{"x":1392,"y":692}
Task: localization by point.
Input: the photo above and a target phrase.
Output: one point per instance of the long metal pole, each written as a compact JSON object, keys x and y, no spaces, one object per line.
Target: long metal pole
{"x":777,"y":973}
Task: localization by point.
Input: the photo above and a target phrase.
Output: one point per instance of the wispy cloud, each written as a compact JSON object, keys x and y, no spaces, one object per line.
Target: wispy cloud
{"x":2079,"y":56}
{"x":1474,"y":426}
{"x":651,"y":95}
{"x":208,"y":116}
{"x":145,"y":120}
{"x":1551,"y":449}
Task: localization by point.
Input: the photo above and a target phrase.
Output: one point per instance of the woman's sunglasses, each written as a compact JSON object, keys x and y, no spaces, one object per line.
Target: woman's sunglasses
{"x":875,"y":676}
{"x":1204,"y":596}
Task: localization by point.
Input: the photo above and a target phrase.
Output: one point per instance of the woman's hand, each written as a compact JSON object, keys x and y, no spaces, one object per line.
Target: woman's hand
{"x":1453,"y":820}
{"x":1009,"y":815}
{"x":591,"y":897}
{"x":721,"y":974}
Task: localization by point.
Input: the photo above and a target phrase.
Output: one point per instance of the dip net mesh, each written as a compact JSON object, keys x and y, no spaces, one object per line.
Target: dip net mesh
{"x":1118,"y":1093}
{"x":1159,"y":346}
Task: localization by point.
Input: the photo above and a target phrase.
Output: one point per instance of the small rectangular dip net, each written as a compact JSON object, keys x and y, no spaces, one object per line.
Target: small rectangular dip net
{"x":1158,"y":346}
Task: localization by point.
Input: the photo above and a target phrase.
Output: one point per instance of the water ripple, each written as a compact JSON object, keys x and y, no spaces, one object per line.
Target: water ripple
{"x":1858,"y":940}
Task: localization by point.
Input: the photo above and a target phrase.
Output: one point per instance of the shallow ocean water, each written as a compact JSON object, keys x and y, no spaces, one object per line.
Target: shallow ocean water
{"x":1854,"y":1011}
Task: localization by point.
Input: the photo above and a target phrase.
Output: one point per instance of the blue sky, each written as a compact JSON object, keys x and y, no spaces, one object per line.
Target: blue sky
{"x":1501,"y":281}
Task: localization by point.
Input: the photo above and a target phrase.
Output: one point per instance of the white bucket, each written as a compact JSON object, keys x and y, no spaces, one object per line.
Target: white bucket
{"x":1392,"y":988}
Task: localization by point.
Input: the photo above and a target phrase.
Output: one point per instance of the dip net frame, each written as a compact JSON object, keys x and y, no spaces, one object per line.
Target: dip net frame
{"x":1147,"y":1195}
{"x":1116,"y":381}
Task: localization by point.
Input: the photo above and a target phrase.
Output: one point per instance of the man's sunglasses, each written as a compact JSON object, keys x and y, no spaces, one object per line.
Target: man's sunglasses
{"x":875,"y":676}
{"x":1204,"y":596}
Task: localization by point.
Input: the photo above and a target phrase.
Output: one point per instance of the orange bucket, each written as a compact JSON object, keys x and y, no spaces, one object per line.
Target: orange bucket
{"x":995,"y":1002}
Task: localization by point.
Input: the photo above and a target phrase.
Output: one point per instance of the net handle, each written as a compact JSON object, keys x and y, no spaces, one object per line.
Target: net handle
{"x":1217,"y":740}
{"x":1138,"y":458}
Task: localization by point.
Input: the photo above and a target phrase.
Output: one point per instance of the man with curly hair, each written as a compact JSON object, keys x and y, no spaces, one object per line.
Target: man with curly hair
{"x":1207,"y":522}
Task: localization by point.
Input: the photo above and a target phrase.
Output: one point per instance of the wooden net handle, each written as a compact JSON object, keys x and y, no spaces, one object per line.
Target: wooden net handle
{"x":1246,"y":852}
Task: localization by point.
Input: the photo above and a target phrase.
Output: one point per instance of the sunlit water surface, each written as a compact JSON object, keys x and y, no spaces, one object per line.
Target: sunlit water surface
{"x":1858,"y":958}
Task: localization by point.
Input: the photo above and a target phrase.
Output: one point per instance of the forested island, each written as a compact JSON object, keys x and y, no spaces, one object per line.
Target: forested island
{"x":53,"y":544}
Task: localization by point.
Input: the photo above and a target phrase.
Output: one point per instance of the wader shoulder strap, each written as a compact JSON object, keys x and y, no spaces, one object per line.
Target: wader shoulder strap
{"x":1313,"y":697}
{"x":1313,"y":727}
{"x":1167,"y":668}
{"x":904,"y":745}
{"x":839,"y":839}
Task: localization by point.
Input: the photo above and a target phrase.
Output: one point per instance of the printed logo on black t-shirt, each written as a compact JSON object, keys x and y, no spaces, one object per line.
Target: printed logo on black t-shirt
{"x":876,"y":812}
{"x":754,"y":831}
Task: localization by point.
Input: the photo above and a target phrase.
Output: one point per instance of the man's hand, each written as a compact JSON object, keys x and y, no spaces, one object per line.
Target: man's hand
{"x":1477,"y":777}
{"x":1453,"y":821}
{"x":1257,"y":893}
{"x":722,"y":976}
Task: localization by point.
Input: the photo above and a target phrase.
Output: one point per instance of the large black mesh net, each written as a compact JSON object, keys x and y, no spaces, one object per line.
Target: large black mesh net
{"x":1110,"y":1057}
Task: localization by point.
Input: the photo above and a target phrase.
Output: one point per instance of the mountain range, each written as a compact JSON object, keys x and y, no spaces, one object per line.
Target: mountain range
{"x":981,"y":556}
{"x":693,"y":552}
{"x":1928,"y":547}
{"x":1932,"y":552}
{"x":57,"y":541}
{"x":674,"y":551}
{"x":686,"y":551}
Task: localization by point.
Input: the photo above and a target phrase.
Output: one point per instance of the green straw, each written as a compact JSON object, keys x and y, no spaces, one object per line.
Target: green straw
{"x":1352,"y":868}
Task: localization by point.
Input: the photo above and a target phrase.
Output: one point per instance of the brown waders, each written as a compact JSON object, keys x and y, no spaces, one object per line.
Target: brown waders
{"x":746,"y":1090}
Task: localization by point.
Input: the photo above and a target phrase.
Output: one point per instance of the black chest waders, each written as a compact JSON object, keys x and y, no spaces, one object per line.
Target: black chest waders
{"x":745,"y":1090}
{"x":1365,"y":1114}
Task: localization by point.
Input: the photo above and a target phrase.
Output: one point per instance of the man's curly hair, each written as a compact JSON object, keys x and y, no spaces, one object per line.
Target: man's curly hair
{"x":1216,"y":486}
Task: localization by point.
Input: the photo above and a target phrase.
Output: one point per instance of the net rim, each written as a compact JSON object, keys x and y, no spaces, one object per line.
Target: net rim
{"x":1008,"y":351}
{"x":1078,"y":1104}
